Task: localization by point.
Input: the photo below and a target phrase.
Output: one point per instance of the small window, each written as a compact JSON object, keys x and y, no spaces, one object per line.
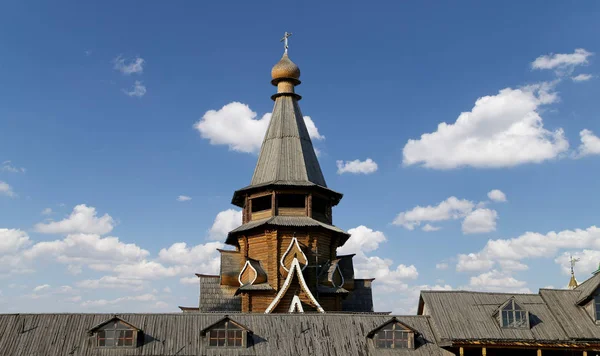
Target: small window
{"x":394,"y":336}
{"x":226,"y":334}
{"x":116,"y":334}
{"x":597,"y":307}
{"x":513,"y":316}
{"x":291,"y":201}
{"x":262,"y":203}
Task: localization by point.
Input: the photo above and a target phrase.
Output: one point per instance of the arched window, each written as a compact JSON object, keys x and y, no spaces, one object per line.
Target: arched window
{"x":513,"y":316}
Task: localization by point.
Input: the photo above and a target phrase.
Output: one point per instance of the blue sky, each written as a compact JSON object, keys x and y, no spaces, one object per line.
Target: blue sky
{"x":101,"y":107}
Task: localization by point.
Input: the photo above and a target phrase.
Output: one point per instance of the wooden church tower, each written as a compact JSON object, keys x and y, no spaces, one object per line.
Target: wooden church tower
{"x":285,"y":256}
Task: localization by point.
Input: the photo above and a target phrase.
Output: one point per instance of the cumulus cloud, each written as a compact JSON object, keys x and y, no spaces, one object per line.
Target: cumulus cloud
{"x":367,"y":166}
{"x":581,"y":77}
{"x":497,"y":195}
{"x":451,"y":208}
{"x":83,"y":219}
{"x":441,"y":266}
{"x":236,"y":126}
{"x":480,"y":221}
{"x":47,"y":211}
{"x":12,"y":240}
{"x":104,"y":302}
{"x":6,"y":189}
{"x":189,"y":280}
{"x":41,"y":287}
{"x":506,"y":252}
{"x":430,"y":228}
{"x":138,"y":90}
{"x":183,"y":198}
{"x":225,"y":221}
{"x":562,"y":63}
{"x":127,"y":67}
{"x":362,"y":239}
{"x":496,"y":281}
{"x":590,"y":144}
{"x":501,"y":130}
{"x":111,"y":282}
{"x":8,"y":167}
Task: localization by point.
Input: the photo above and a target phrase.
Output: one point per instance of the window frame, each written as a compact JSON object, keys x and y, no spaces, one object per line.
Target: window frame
{"x":596,"y":301}
{"x":117,"y":326}
{"x":396,"y":328}
{"x":511,"y":309}
{"x":226,"y":327}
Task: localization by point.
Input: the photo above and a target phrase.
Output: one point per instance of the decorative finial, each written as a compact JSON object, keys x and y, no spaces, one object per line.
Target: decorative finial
{"x":573,"y":282}
{"x":285,"y":41}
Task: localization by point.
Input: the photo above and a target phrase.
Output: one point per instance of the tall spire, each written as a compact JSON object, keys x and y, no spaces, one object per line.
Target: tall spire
{"x":287,"y":155}
{"x":573,"y":282}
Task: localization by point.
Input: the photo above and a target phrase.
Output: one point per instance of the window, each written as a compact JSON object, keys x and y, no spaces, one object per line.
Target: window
{"x":394,"y":336}
{"x":597,"y":307}
{"x":116,"y":334}
{"x":262,"y":203}
{"x":226,"y":334}
{"x":513,"y":316}
{"x":291,"y":200}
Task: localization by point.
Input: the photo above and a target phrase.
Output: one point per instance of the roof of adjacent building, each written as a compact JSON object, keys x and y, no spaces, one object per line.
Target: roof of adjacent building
{"x":180,"y":334}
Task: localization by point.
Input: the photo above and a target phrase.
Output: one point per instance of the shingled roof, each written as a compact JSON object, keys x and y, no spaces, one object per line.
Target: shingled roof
{"x":180,"y":334}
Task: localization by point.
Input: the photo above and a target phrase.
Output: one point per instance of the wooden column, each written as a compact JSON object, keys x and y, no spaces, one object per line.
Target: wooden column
{"x":539,"y":352}
{"x":273,"y":211}
{"x":461,"y":351}
{"x":584,"y":353}
{"x":483,"y":351}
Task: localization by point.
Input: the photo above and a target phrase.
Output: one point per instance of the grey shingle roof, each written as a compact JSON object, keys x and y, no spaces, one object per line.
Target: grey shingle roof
{"x":588,"y":287}
{"x":458,"y":315}
{"x":574,"y":320}
{"x":287,"y":153}
{"x":297,"y":221}
{"x":180,"y":334}
{"x":217,"y":297}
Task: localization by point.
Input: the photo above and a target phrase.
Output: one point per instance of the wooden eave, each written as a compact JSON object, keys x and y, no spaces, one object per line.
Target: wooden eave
{"x":238,"y":195}
{"x":546,"y":344}
{"x":392,"y":320}
{"x":116,"y":317}
{"x":226,"y":318}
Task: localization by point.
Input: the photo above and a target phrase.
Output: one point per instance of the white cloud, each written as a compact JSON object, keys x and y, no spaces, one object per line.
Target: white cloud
{"x":6,"y":189}
{"x":480,"y":221}
{"x":497,"y":195}
{"x":189,"y":280}
{"x":138,"y":90}
{"x":581,"y":77}
{"x":496,"y":281}
{"x":225,"y":221}
{"x":501,"y":130}
{"x":441,"y":266}
{"x":367,"y":166}
{"x":236,"y":126}
{"x":83,"y":219}
{"x":588,"y":262}
{"x":47,"y":211}
{"x":8,"y":167}
{"x":562,"y":63}
{"x":183,"y":198}
{"x":86,"y":249}
{"x":430,"y":228}
{"x":12,"y":240}
{"x":590,"y":144}
{"x":451,"y":208}
{"x":362,"y":239}
{"x":41,"y":288}
{"x":529,"y":245}
{"x":135,"y":66}
{"x":104,"y":302}
{"x":180,"y":254}
{"x":111,"y":282}
{"x":473,"y":262}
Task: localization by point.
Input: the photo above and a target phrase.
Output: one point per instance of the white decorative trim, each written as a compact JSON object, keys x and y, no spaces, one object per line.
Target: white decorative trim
{"x":243,"y":269}
{"x":294,"y":240}
{"x":337,"y":267}
{"x":295,"y":267}
{"x":296,"y":305}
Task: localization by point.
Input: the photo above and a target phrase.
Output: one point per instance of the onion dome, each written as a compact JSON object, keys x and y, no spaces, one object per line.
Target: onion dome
{"x":285,"y":69}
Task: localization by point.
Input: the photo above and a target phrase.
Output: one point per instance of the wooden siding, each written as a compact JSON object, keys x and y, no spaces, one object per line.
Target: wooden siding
{"x":263,"y":214}
{"x":291,"y":211}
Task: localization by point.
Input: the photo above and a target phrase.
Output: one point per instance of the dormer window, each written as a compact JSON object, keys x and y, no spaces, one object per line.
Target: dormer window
{"x":115,"y":333}
{"x":226,"y":333}
{"x":597,"y":307}
{"x":393,"y":335}
{"x":513,"y":316}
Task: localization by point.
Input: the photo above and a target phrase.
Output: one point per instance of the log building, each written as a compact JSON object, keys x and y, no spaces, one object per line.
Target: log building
{"x":283,"y":290}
